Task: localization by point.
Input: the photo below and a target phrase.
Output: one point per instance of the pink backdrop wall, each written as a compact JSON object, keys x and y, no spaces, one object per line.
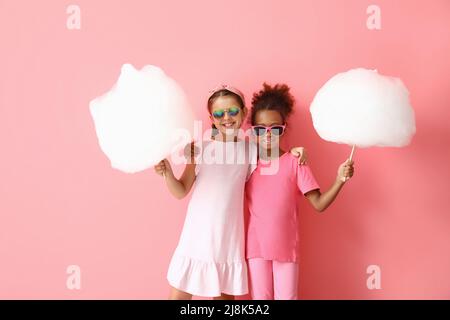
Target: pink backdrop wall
{"x":62,"y":204}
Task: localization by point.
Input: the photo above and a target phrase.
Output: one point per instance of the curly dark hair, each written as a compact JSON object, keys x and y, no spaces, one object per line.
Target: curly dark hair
{"x":276,"y":98}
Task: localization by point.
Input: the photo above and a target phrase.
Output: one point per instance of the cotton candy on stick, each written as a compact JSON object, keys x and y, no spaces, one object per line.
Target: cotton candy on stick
{"x":137,"y":120}
{"x":362,"y":108}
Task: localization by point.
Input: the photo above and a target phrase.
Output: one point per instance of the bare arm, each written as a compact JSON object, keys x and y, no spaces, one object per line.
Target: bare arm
{"x":179,"y":188}
{"x":321,"y":201}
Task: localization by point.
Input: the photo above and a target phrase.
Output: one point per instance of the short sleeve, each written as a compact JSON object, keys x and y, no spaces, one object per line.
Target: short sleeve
{"x":253,"y":158}
{"x":305,"y":179}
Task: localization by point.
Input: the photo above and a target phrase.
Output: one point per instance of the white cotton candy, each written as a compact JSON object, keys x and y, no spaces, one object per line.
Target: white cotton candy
{"x":363,"y":108}
{"x":138,"y":122}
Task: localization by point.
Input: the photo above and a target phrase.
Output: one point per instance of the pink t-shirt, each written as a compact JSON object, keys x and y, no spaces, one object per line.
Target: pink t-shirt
{"x":272,"y":198}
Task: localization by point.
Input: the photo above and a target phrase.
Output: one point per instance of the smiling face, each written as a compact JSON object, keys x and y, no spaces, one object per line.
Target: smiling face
{"x":268,"y":118}
{"x":228,"y":124}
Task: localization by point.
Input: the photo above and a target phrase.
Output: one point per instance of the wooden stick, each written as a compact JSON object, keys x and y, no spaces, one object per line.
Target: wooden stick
{"x":344,"y":179}
{"x":351,"y":154}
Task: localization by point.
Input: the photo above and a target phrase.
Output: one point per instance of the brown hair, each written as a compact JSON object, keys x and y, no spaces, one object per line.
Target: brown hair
{"x":223,"y":93}
{"x":277,"y":98}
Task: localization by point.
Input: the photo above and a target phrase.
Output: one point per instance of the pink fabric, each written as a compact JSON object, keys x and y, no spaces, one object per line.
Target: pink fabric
{"x":272,"y":279}
{"x":229,"y":88}
{"x":272,"y":231}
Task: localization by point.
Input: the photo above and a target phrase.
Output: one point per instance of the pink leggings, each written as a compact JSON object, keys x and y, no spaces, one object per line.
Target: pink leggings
{"x":270,"y":279}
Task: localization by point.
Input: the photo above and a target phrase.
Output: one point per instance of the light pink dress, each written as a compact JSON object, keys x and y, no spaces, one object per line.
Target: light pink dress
{"x":210,"y":256}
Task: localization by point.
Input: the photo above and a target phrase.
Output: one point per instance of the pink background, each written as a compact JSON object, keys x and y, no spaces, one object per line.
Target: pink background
{"x":61,"y":203}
